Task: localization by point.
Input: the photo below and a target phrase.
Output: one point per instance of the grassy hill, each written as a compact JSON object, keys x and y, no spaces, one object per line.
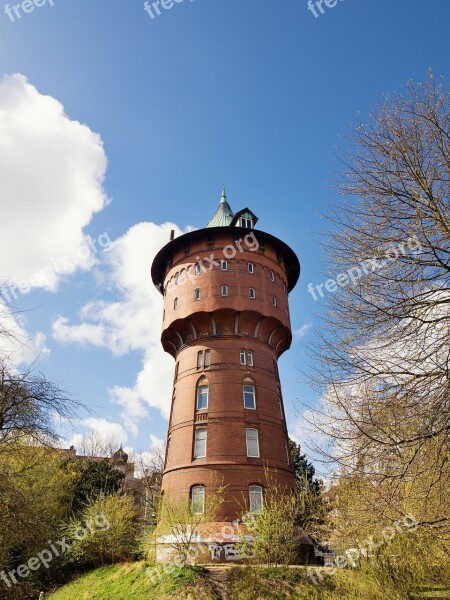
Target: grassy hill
{"x":131,"y":582}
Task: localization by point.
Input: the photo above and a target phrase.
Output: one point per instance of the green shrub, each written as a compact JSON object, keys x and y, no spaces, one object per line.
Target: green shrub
{"x":105,"y":533}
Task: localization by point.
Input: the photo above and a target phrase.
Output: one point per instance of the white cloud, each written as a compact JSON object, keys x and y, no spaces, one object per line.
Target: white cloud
{"x":132,"y":323}
{"x":17,"y":347}
{"x":301,"y":332}
{"x":51,"y":175}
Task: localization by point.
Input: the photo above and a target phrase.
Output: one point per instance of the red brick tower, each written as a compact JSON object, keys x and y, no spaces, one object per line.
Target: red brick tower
{"x":226,"y":322}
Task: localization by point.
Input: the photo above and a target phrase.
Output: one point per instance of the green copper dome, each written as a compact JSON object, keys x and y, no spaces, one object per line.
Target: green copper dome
{"x":223,"y":215}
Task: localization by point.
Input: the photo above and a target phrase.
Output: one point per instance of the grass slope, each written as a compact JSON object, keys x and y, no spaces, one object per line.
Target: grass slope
{"x":131,"y":581}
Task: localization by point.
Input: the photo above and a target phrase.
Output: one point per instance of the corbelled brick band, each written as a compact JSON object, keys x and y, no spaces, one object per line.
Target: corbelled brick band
{"x":237,"y":317}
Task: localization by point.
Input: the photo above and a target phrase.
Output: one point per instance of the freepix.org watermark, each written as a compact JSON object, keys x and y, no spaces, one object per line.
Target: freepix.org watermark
{"x":154,"y":9}
{"x":317,"y":6}
{"x":48,"y":276}
{"x":248,"y":242}
{"x":54,"y":549}
{"x":16,"y":11}
{"x":365,"y":267}
{"x":351,"y":557}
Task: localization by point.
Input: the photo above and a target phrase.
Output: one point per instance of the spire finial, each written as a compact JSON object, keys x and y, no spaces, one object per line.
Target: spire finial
{"x":224,"y":195}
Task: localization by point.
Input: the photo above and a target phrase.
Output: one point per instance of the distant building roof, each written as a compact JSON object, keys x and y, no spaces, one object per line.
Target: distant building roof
{"x":223,"y":215}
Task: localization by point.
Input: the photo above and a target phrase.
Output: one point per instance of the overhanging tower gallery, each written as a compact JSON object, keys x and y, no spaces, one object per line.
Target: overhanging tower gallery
{"x":226,"y":322}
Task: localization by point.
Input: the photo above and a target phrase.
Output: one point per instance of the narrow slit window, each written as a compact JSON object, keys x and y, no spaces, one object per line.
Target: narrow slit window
{"x":251,"y":268}
{"x":224,"y":265}
{"x":198,"y":269}
{"x":243,"y":358}
{"x":224,"y":290}
{"x":274,"y":301}
{"x":272,"y":276}
{"x":175,"y":304}
{"x":197,"y":294}
{"x":252,"y":293}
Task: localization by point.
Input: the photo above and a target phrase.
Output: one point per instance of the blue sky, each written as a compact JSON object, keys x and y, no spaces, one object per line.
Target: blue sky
{"x":250,"y":93}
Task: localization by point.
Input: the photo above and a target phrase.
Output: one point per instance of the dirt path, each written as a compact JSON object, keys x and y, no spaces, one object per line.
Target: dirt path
{"x":218,"y":578}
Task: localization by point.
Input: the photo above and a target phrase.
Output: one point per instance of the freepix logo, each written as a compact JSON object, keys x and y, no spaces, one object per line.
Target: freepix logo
{"x":154,"y":8}
{"x":16,"y":11}
{"x":317,"y":9}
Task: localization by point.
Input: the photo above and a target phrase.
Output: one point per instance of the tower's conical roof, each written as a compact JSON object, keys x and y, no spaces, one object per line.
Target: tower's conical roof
{"x":223,"y":215}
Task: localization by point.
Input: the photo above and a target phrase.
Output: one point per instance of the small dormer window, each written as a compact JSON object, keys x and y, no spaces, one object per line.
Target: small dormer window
{"x":246,"y":223}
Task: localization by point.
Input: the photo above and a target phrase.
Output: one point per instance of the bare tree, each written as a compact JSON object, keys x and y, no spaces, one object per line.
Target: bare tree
{"x":385,"y":354}
{"x":29,"y":405}
{"x":149,"y":467}
{"x":96,"y":445}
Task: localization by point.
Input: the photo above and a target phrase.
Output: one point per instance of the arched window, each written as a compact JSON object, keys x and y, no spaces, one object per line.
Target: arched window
{"x":197,"y":269}
{"x":224,"y":265}
{"x":255,"y":493}
{"x":224,"y":290}
{"x":177,"y":277}
{"x":251,"y":268}
{"x":272,"y":276}
{"x":202,"y":395}
{"x":198,"y":499}
{"x":175,"y":304}
{"x":249,"y":397}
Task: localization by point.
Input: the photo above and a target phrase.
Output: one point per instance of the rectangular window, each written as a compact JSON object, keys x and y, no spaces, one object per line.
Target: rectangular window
{"x":288,"y":456}
{"x":175,"y":304}
{"x":249,"y":397}
{"x":256,"y":498}
{"x":200,"y":443}
{"x":252,"y":443}
{"x":251,"y":268}
{"x":274,"y":300}
{"x":207,"y":358}
{"x":224,"y":265}
{"x":272,"y":276}
{"x":199,"y":359}
{"x":247,"y":223}
{"x":176,"y":370}
{"x":250,"y":358}
{"x":224,"y":290}
{"x":202,"y":397}
{"x":197,"y":294}
{"x":252,"y":293}
{"x":198,"y":500}
{"x":197,"y":269}
{"x":243,"y":357}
